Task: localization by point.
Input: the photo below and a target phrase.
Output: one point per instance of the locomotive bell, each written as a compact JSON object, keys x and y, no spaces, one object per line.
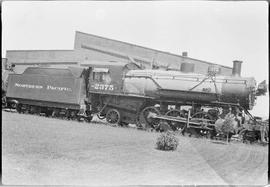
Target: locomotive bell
{"x":236,"y":71}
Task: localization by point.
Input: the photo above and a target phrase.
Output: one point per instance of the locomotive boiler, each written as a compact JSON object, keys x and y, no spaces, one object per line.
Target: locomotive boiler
{"x":189,"y":87}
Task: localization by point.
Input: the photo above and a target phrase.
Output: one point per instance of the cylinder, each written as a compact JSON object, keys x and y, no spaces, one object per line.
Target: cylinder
{"x":236,"y":71}
{"x":187,"y":67}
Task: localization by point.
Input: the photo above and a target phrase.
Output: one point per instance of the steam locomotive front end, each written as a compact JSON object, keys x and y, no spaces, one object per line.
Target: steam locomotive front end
{"x":239,"y":90}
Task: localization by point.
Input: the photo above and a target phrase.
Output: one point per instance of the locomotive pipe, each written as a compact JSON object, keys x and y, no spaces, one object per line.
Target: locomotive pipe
{"x":236,"y":71}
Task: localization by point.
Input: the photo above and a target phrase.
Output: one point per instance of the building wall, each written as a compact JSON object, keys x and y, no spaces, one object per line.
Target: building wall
{"x":46,"y":58}
{"x":19,"y":68}
{"x":91,"y":47}
{"x":4,"y":63}
{"x":88,"y":46}
{"x":40,"y":56}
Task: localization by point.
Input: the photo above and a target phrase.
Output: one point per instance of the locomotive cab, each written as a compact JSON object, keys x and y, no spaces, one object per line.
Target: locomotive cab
{"x":107,"y":77}
{"x":104,"y":80}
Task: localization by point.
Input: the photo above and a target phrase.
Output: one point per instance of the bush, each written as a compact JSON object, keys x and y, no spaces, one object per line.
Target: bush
{"x":167,"y":141}
{"x":228,"y":126}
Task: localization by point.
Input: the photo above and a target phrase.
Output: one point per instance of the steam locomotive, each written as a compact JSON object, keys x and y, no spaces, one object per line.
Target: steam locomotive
{"x":123,"y":93}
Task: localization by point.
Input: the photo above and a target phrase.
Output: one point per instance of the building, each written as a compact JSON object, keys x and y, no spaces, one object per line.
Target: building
{"x":25,"y":58}
{"x":88,"y":47}
{"x":4,"y":63}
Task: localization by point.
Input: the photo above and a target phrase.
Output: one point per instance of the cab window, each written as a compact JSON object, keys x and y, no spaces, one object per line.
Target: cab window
{"x":101,"y":75}
{"x":98,"y":76}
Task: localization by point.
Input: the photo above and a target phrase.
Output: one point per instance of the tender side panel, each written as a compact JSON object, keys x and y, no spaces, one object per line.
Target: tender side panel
{"x":49,"y":104}
{"x":45,"y":88}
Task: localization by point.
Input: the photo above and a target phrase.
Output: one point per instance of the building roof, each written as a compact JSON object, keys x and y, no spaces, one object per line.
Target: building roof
{"x":103,"y":63}
{"x":89,"y":47}
{"x":159,"y":51}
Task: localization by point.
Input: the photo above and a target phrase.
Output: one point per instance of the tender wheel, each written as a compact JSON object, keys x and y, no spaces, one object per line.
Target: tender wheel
{"x":33,"y":110}
{"x":4,"y":102}
{"x":123,"y":124}
{"x":14,"y":105}
{"x":55,"y":113}
{"x":113,"y":116}
{"x":176,"y":113}
{"x":19,"y":108}
{"x":72,"y":115}
{"x":146,"y":120}
{"x":27,"y":109}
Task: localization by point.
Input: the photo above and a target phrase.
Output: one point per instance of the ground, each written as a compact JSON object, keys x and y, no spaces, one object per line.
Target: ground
{"x":38,"y":150}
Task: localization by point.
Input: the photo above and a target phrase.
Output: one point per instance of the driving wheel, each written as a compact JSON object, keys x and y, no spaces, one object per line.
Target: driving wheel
{"x":146,"y":118}
{"x":176,"y":113}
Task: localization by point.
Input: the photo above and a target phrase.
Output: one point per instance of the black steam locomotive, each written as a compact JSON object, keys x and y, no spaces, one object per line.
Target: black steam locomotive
{"x":123,"y":93}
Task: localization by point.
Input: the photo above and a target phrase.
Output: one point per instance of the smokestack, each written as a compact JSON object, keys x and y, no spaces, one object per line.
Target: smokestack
{"x":184,"y":54}
{"x":236,"y":71}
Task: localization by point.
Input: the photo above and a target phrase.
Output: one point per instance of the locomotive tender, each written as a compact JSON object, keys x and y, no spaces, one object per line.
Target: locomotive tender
{"x":47,"y":90}
{"x":123,"y":93}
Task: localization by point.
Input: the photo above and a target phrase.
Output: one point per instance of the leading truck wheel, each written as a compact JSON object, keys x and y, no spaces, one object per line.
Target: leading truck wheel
{"x":113,"y":116}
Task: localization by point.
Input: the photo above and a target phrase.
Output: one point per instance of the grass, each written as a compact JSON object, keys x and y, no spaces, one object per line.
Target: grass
{"x":38,"y":150}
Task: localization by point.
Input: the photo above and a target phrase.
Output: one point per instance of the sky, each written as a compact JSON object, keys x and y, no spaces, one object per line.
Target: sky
{"x":214,"y":31}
